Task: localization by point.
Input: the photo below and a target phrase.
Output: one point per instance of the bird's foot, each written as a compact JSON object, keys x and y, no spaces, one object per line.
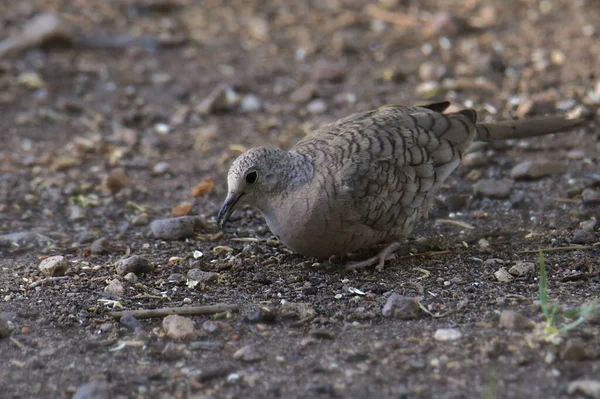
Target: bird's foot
{"x":378,"y":260}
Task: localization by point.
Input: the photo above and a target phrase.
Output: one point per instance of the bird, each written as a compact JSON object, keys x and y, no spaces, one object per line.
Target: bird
{"x":364,"y":180}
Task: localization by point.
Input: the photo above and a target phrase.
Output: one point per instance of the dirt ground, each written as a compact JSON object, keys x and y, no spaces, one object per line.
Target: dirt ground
{"x":112,"y":127}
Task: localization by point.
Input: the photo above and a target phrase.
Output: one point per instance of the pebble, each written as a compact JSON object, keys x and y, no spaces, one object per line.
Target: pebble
{"x":590,"y":196}
{"x":220,"y":99}
{"x":134,"y":264}
{"x":536,"y":169}
{"x":304,"y":93}
{"x":263,"y":314}
{"x":317,"y":106}
{"x":247,"y":353}
{"x":576,"y":349}
{"x":327,"y":70}
{"x":492,"y":188}
{"x":54,"y":266}
{"x":296,"y":310}
{"x":92,"y":390}
{"x":575,"y":155}
{"x":103,"y":246}
{"x":160,"y":168}
{"x":173,"y":351}
{"x":401,"y":307}
{"x":26,"y":239}
{"x":115,"y":287}
{"x":131,"y":323}
{"x":522,"y":269}
{"x":512,"y":320}
{"x":131,"y":277}
{"x":76,"y":213}
{"x":583,"y":237}
{"x":503,"y":275}
{"x":493,"y":262}
{"x":178,"y":327}
{"x":202,"y":276}
{"x":115,"y":181}
{"x":140,"y":220}
{"x":206,"y":346}
{"x":322,"y":333}
{"x":210,"y":327}
{"x":587,"y":388}
{"x":447,"y":334}
{"x":250,"y":103}
{"x":588,"y":225}
{"x":174,"y":228}
{"x":4,"y":328}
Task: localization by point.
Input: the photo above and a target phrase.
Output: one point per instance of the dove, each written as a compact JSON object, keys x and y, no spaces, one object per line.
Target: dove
{"x":365,"y":180}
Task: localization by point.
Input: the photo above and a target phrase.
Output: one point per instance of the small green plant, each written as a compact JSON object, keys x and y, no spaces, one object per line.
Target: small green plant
{"x":551,"y":311}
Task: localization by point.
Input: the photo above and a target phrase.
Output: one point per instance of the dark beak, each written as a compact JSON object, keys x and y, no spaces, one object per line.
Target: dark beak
{"x":228,"y":207}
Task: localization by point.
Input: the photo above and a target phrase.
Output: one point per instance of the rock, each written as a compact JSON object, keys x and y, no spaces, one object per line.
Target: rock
{"x":296,"y":310}
{"x":583,"y":237}
{"x":587,"y":388}
{"x":206,"y":346}
{"x":590,"y":196}
{"x":4,"y":328}
{"x":515,"y":321}
{"x":210,"y":327}
{"x":131,"y":277}
{"x":327,"y":70}
{"x":522,"y":269}
{"x":401,"y":307}
{"x":447,"y":334}
{"x":115,"y":181}
{"x":25,"y":239}
{"x":54,"y":266}
{"x":220,"y":99}
{"x":103,"y":246}
{"x":92,"y":390}
{"x":140,"y":220}
{"x":174,"y":228}
{"x":304,"y":93}
{"x":160,"y":168}
{"x":536,"y":169}
{"x":576,"y":349}
{"x":131,"y":323}
{"x":322,"y":333}
{"x":37,"y":31}
{"x":173,"y":351}
{"x":250,"y":103}
{"x":202,"y":276}
{"x":575,"y":155}
{"x":178,"y":327}
{"x":503,"y":275}
{"x":115,"y":287}
{"x":248,"y":354}
{"x":263,"y":314}
{"x":76,"y":213}
{"x":588,"y":225}
{"x":492,"y":188}
{"x":317,"y":106}
{"x":176,"y":278}
{"x":493,"y":262}
{"x":134,"y":264}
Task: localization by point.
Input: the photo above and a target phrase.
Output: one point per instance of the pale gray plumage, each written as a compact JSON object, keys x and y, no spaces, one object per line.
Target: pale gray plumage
{"x":365,"y":179}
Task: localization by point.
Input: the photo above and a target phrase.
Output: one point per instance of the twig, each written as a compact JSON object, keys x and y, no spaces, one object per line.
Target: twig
{"x":457,"y":223}
{"x":560,"y":249}
{"x":20,"y":345}
{"x":430,"y":253}
{"x":47,"y":280}
{"x":581,"y":276}
{"x":566,"y":200}
{"x":187,"y":311}
{"x":394,"y":18}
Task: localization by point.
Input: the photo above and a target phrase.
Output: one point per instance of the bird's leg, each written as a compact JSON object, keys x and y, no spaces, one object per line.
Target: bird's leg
{"x":379,"y":259}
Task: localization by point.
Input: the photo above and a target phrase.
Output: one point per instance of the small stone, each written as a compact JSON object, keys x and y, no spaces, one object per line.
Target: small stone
{"x":317,"y":106}
{"x":483,"y":245}
{"x":160,"y":168}
{"x":178,"y":327}
{"x":103,"y":246}
{"x":54,"y":266}
{"x":134,"y":264}
{"x":210,"y":327}
{"x":115,"y":288}
{"x":176,"y":278}
{"x":590,"y":196}
{"x":93,"y":390}
{"x":162,"y":128}
{"x":131,"y":323}
{"x":515,"y":321}
{"x":220,"y":99}
{"x":588,"y":225}
{"x":25,"y":239}
{"x":304,"y":93}
{"x":503,"y":275}
{"x":76,"y":213}
{"x":250,"y":103}
{"x":321,"y":333}
{"x":140,"y":220}
{"x":447,"y":334}
{"x":263,"y":314}
{"x":587,"y":388}
{"x":327,"y":70}
{"x":206,"y":186}
{"x":536,"y":169}
{"x":206,"y":346}
{"x":131,"y":277}
{"x":296,"y":310}
{"x":201,"y":276}
{"x":493,"y":262}
{"x":583,"y":237}
{"x":174,"y":228}
{"x":116,"y":180}
{"x":31,"y":80}
{"x":522,"y":269}
{"x":575,"y":155}
{"x":576,"y":349}
{"x":105,"y":327}
{"x":492,"y":188}
{"x":473,"y":159}
{"x":401,"y":307}
{"x":172,"y":351}
{"x":4,"y":328}
{"x":248,"y":354}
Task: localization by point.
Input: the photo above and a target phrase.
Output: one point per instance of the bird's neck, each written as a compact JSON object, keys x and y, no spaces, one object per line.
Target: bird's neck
{"x":297,"y":169}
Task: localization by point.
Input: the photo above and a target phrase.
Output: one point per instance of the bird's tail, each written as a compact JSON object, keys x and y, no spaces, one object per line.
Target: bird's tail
{"x":518,"y":129}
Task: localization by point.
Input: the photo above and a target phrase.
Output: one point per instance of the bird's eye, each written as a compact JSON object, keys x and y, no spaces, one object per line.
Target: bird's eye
{"x":251,"y":177}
